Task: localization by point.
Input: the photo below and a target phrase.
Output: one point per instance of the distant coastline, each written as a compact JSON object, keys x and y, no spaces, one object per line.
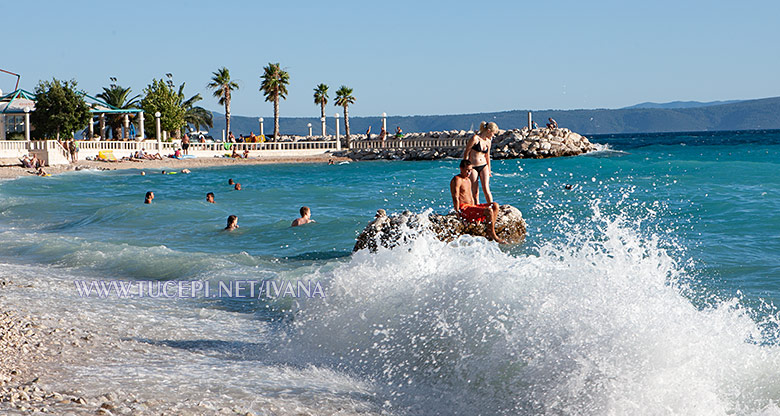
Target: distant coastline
{"x":759,"y":114}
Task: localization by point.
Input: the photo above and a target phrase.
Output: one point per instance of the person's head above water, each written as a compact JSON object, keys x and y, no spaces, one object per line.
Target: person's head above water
{"x":230,"y":181}
{"x":238,"y":187}
{"x":210,"y":197}
{"x":232,"y":222}
{"x":149,"y":197}
{"x":305,"y":211}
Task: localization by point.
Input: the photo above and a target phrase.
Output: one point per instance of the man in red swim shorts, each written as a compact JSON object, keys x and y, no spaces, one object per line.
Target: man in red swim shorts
{"x":463,"y":201}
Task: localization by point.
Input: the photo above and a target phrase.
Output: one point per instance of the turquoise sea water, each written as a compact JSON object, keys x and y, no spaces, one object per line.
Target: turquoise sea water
{"x":648,"y":286}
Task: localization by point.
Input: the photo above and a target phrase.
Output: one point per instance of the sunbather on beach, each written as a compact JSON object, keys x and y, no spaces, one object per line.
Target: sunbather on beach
{"x":463,"y":201}
{"x":35,"y":163}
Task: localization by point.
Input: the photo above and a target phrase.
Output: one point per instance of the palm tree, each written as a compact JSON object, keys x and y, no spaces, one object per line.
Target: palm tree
{"x":118,"y":98}
{"x":222,"y":86}
{"x":274,"y":86}
{"x":196,"y":116}
{"x":344,"y":98}
{"x":321,"y":98}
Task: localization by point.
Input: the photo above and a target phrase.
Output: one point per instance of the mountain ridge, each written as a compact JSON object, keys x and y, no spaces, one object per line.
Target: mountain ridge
{"x":754,"y":114}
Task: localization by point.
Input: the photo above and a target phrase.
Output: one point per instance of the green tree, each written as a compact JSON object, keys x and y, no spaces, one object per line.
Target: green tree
{"x":223,"y":87}
{"x":195,"y":116}
{"x":321,"y":97}
{"x":344,"y":98}
{"x":159,"y":96}
{"x":274,"y":86}
{"x":58,"y":109}
{"x":118,"y":97}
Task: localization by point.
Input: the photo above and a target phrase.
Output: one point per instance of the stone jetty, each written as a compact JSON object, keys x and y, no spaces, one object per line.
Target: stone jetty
{"x":508,"y":144}
{"x":396,"y":229}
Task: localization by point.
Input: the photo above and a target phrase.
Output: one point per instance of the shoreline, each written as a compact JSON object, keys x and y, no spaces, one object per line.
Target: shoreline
{"x":8,"y":170}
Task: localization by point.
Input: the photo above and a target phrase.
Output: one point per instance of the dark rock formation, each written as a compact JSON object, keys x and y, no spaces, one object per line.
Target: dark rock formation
{"x":400,"y":228}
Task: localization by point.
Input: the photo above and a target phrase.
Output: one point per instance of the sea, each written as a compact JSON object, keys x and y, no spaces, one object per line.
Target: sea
{"x":648,"y":283}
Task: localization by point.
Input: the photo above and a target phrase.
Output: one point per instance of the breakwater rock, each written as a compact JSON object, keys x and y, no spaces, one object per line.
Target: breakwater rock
{"x":508,"y":144}
{"x":396,"y":229}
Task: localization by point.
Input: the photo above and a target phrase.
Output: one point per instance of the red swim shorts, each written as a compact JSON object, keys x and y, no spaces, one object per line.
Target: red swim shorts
{"x":475,"y":213}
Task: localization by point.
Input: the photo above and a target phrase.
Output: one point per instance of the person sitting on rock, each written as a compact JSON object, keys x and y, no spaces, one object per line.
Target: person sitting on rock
{"x":463,"y":201}
{"x":552,"y":123}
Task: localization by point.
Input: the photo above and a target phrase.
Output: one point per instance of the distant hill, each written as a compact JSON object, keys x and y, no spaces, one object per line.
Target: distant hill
{"x":741,"y":115}
{"x":680,"y":104}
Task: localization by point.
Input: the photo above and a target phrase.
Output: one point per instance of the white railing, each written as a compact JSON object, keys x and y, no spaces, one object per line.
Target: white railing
{"x":13,"y":148}
{"x":17,"y":148}
{"x":423,"y":143}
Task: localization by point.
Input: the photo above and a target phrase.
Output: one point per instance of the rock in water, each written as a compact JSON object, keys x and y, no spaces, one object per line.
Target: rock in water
{"x":401,"y":228}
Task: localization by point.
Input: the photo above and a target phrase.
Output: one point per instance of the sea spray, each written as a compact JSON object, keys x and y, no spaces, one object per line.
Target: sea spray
{"x":593,"y":325}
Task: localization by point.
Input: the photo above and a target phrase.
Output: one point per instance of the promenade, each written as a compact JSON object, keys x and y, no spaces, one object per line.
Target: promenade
{"x":53,"y":153}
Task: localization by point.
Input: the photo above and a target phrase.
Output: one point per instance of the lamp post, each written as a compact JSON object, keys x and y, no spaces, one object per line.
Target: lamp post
{"x":261,"y":126}
{"x":157,"y":125}
{"x":384,"y":122}
{"x":126,"y":122}
{"x":338,"y":139}
{"x":27,"y":123}
{"x":141,"y":134}
{"x":309,"y":125}
{"x":322,"y":120}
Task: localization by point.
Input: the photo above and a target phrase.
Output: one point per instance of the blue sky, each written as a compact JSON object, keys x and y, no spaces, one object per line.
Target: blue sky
{"x":407,"y":57}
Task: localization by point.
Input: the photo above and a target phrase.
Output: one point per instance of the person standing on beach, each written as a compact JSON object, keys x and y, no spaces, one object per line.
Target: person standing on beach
{"x":368,"y":133}
{"x":305,"y":217}
{"x":478,"y":153}
{"x":465,"y":206}
{"x":149,"y":197}
{"x":185,"y":144}
{"x":74,"y":151}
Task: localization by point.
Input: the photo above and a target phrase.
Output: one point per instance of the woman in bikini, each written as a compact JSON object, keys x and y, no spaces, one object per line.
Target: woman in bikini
{"x":478,"y":153}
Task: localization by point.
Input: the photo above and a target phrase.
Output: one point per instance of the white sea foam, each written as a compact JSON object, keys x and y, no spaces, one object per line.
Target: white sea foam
{"x":597,"y":324}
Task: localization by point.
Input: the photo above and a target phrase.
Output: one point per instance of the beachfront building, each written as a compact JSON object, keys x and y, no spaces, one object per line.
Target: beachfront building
{"x":15,"y":109}
{"x":101,"y":110}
